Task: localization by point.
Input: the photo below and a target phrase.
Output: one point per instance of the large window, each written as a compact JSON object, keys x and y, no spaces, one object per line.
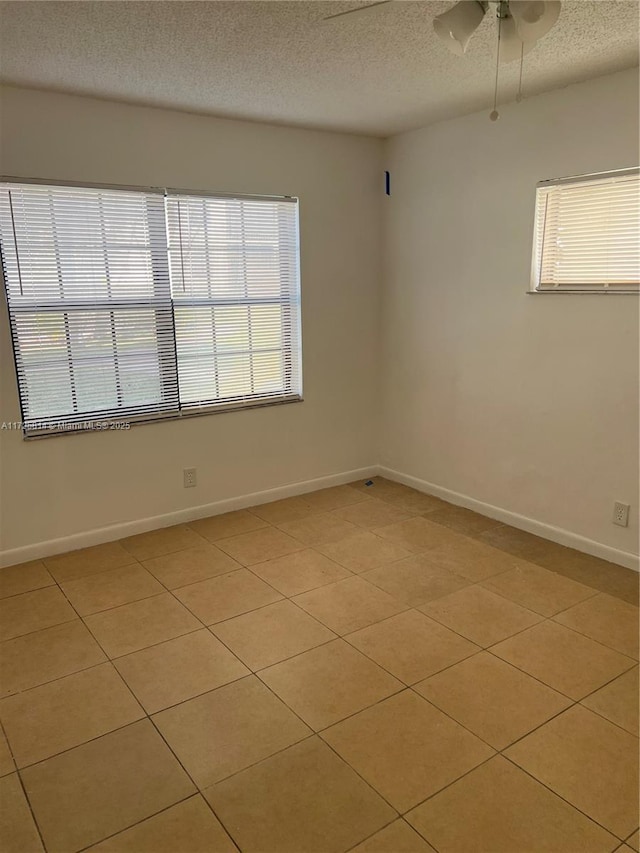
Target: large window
{"x":129,"y":305}
{"x":587,"y":234}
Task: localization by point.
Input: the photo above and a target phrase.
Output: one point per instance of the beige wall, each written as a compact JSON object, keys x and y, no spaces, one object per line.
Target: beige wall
{"x":459,"y":379}
{"x":525,"y":402}
{"x":55,"y":487}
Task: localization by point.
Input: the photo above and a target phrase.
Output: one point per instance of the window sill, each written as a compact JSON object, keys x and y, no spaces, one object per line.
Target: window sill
{"x":571,"y":291}
{"x":124,"y":424}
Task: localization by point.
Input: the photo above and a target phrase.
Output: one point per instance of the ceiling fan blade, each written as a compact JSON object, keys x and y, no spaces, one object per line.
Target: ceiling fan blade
{"x":361,"y":9}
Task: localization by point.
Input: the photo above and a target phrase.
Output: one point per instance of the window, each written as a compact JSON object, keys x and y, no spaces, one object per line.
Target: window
{"x":130,"y":305}
{"x":587,"y":234}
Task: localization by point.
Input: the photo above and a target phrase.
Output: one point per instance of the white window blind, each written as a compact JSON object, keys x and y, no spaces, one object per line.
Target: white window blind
{"x":130,"y":305}
{"x":234,"y":271}
{"x":587,"y":234}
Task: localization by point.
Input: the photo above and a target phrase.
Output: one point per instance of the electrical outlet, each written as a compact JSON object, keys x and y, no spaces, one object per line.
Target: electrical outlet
{"x":189,"y":478}
{"x":621,"y":514}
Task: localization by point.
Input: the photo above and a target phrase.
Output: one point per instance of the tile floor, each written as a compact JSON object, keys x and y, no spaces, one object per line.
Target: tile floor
{"x":363,"y":669}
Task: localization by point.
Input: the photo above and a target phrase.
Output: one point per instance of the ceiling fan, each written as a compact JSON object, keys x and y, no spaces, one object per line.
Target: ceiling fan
{"x":521,"y":24}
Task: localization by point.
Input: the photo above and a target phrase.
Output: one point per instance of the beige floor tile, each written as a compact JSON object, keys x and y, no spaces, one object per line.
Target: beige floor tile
{"x":350,"y":604}
{"x":482,"y":616}
{"x":472,"y":559}
{"x":24,"y":577}
{"x":143,"y":623}
{"x":592,"y":571}
{"x":566,"y":661}
{"x":334,"y":497}
{"x":228,"y":524}
{"x":519,"y":543}
{"x":33,"y":611}
{"x":65,"y":713}
{"x":415,"y":580}
{"x":300,"y":572}
{"x":179,"y":669}
{"x":188,"y":827}
{"x":228,"y":729}
{"x":559,"y":753}
{"x":608,"y":620}
{"x":110,"y":589}
{"x":102,"y":787}
{"x":303,"y":799}
{"x":329,"y":683}
{"x":259,"y":545}
{"x":403,"y":496}
{"x":190,"y":566}
{"x":18,"y":833}
{"x":46,"y":655}
{"x":6,"y":761}
{"x":372,"y":513}
{"x":271,"y":634}
{"x":363,"y":551}
{"x":538,"y":589}
{"x":463,"y":520}
{"x":88,"y":561}
{"x":288,"y":509}
{"x":226,"y":596}
{"x":398,"y":837}
{"x":414,"y":501}
{"x":499,"y":809}
{"x":165,"y":540}
{"x":318,"y":529}
{"x":411,"y":646}
{"x":406,"y":749}
{"x":417,"y":534}
{"x":618,"y":701}
{"x":492,"y":699}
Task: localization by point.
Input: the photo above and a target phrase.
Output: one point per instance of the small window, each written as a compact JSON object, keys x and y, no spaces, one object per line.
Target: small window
{"x":587,"y":234}
{"x":130,"y":305}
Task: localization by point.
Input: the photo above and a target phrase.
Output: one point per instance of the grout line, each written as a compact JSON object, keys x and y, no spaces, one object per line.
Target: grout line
{"x":117,"y":606}
{"x":284,"y":660}
{"x":195,"y":695}
{"x":30,"y":807}
{"x":319,"y":731}
{"x":86,"y":742}
{"x":564,"y":799}
{"x":26,"y":591}
{"x":539,"y":680}
{"x":589,"y":637}
{"x":142,"y":820}
{"x":43,"y":628}
{"x":398,"y":817}
{"x":130,"y":562}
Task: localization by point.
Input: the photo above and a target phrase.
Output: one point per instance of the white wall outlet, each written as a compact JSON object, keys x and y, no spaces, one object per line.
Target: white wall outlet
{"x":621,"y":514}
{"x":189,"y":478}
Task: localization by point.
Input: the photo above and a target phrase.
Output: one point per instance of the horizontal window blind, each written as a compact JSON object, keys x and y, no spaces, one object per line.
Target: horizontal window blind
{"x":587,"y":234}
{"x":131,"y":305}
{"x":234,"y":272}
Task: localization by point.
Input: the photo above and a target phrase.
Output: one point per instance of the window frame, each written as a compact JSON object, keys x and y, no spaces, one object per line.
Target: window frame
{"x":94,"y":421}
{"x":536,"y":256}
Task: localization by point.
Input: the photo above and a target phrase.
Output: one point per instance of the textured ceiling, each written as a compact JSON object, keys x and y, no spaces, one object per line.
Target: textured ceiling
{"x":377,"y":72}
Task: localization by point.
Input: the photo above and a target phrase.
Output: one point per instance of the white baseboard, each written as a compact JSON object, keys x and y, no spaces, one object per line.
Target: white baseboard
{"x":100,"y":535}
{"x":539,"y":528}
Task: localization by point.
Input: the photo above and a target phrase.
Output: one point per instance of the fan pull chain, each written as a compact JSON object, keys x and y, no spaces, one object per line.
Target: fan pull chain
{"x":519,"y":95}
{"x":494,"y":115}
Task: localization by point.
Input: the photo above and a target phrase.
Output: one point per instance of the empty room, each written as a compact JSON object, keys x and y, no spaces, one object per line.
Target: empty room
{"x":319,"y":426}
